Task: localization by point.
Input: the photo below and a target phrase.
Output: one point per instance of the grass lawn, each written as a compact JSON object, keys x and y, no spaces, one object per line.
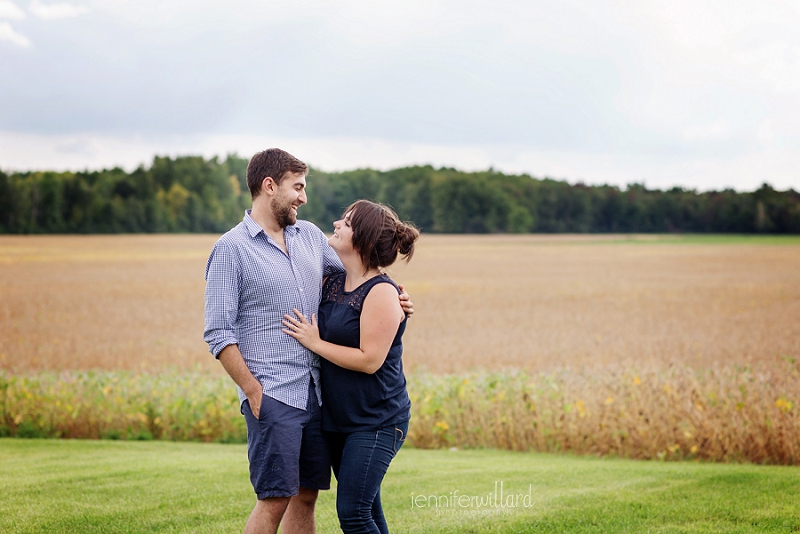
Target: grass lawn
{"x":119,"y":486}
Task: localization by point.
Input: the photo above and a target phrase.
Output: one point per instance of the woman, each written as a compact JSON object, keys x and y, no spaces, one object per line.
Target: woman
{"x":365,"y":405}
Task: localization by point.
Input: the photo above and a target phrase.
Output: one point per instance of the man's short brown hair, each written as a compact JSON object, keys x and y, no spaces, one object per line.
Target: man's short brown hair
{"x":276,"y":164}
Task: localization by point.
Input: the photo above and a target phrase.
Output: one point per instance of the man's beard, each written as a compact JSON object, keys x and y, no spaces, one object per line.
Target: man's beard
{"x":283,"y":212}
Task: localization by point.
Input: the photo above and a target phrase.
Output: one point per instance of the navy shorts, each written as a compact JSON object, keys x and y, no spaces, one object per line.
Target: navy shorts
{"x":286,"y":448}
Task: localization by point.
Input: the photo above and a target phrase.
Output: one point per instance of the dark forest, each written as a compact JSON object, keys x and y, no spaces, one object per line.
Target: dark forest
{"x":193,"y":194}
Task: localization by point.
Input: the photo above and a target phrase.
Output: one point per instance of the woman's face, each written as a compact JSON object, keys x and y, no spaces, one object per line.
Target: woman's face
{"x":342,"y":238}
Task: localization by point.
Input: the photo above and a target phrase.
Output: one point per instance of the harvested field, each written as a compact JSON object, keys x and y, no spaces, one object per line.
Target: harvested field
{"x":545,"y":302}
{"x":494,"y":302}
{"x":108,"y":302}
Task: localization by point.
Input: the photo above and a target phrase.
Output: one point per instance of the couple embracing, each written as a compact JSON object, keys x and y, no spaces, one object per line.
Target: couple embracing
{"x":310,"y":329}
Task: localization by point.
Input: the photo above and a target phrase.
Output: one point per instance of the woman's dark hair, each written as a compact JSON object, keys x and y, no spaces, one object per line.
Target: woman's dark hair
{"x":378,"y":235}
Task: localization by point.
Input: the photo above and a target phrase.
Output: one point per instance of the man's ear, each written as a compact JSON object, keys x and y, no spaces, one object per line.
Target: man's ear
{"x":268,"y":185}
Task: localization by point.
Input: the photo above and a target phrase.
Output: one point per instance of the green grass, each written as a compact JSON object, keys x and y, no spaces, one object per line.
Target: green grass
{"x":113,"y":486}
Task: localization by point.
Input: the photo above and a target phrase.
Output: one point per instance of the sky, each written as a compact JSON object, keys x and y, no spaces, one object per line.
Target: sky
{"x":691,"y":93}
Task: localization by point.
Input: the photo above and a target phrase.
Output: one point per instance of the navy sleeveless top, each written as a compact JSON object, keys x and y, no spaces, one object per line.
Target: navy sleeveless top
{"x":352,"y":400}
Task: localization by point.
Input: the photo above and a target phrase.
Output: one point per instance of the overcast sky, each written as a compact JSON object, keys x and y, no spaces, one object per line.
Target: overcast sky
{"x":701,"y":94}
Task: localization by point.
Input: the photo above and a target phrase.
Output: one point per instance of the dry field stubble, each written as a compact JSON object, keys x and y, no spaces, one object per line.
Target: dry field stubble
{"x":493,"y":302}
{"x":546,"y":302}
{"x":103,"y":302}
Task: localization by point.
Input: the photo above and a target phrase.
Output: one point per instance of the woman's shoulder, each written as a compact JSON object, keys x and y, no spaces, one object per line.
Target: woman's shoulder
{"x":383,"y":278}
{"x":382,"y":295}
{"x":381,"y":287}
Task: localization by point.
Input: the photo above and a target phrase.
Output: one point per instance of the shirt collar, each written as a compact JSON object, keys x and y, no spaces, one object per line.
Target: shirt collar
{"x":253,"y":228}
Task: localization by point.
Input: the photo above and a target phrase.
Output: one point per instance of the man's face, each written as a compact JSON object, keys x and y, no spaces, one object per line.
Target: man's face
{"x":290,"y":195}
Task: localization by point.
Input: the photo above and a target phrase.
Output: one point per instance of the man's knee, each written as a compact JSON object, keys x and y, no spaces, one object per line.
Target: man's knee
{"x":306,"y":496}
{"x":271,"y":508}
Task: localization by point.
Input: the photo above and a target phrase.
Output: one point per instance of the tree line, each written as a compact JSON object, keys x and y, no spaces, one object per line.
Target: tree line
{"x":193,"y":194}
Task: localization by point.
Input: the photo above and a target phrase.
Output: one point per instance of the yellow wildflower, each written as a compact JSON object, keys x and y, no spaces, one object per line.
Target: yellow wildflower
{"x":783,"y":405}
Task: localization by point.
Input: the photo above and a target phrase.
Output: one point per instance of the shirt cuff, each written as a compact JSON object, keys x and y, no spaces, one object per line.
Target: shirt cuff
{"x":218,"y":345}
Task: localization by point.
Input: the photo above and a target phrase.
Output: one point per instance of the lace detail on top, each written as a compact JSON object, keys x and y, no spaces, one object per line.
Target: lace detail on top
{"x":333,"y":290}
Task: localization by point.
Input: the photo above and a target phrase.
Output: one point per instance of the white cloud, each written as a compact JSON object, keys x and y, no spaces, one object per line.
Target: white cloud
{"x":765,"y":132}
{"x":7,"y":33}
{"x":9,"y":10}
{"x":57,"y":11}
{"x":778,"y":64}
{"x":714,"y":62}
{"x":702,"y":132}
{"x":602,"y":90}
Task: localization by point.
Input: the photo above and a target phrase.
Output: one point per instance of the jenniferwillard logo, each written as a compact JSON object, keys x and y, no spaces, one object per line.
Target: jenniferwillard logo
{"x":498,"y":501}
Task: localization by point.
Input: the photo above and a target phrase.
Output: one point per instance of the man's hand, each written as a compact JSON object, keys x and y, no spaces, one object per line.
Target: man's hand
{"x":405,"y":301}
{"x":231,"y":359}
{"x":254,"y":399}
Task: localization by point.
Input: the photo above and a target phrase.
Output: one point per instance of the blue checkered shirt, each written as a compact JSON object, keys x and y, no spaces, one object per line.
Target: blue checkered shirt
{"x":250,"y":284}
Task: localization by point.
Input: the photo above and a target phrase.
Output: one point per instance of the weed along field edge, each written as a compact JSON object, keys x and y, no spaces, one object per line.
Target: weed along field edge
{"x":725,"y":413}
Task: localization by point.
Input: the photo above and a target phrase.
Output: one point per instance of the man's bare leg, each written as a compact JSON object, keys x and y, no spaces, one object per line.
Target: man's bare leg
{"x":266,"y":516}
{"x":299,"y":517}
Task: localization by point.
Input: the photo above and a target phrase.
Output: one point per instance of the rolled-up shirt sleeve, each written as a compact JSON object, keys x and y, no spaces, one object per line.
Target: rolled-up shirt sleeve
{"x":223,"y":281}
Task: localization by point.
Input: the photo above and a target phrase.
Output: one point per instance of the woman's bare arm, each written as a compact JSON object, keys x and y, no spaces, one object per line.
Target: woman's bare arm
{"x":381,"y":314}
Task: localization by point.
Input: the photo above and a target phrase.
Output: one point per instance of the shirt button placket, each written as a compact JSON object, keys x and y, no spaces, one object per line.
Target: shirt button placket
{"x":298,"y":281}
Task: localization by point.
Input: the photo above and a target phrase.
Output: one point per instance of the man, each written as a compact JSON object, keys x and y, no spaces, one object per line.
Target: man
{"x":264,"y":267}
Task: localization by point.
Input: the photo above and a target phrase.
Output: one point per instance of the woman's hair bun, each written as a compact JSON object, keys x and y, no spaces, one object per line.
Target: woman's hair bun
{"x":406,"y":235}
{"x":379,"y":235}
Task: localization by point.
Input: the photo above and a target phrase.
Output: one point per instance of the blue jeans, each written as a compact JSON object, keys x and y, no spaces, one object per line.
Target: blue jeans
{"x":360,"y":461}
